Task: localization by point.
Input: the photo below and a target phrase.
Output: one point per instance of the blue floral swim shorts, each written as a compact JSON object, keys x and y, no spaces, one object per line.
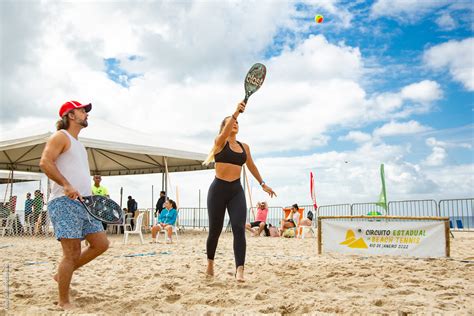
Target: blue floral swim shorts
{"x":71,"y":220}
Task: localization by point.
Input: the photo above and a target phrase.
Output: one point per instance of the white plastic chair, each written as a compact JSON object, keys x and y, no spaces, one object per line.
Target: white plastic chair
{"x":29,"y":226}
{"x":137,"y":230}
{"x":8,"y":224}
{"x":304,"y":229}
{"x":126,"y":222}
{"x":165,"y":232}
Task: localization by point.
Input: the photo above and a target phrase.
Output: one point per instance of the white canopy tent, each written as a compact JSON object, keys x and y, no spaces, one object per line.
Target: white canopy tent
{"x":105,"y":157}
{"x":9,"y":177}
{"x":134,"y":154}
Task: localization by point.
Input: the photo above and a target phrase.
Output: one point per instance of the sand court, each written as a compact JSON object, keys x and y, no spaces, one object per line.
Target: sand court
{"x":282,"y":276}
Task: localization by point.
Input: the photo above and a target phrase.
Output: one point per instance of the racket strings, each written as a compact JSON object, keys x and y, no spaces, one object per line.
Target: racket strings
{"x":105,"y":209}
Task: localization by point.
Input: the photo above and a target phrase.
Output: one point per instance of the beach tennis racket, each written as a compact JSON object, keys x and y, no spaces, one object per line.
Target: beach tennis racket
{"x":254,"y":80}
{"x":102,"y":209}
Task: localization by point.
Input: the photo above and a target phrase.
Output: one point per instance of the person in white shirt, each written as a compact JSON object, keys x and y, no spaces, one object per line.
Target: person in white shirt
{"x":64,"y":161}
{"x":292,"y":220}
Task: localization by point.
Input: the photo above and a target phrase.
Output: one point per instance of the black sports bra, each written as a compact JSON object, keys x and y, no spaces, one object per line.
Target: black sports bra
{"x":227,"y":155}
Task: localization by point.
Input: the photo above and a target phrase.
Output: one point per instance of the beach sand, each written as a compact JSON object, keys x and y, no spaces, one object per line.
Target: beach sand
{"x":283,"y":276}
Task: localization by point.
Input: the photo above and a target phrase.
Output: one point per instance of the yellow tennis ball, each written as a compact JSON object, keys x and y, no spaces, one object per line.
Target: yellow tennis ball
{"x":318,"y":18}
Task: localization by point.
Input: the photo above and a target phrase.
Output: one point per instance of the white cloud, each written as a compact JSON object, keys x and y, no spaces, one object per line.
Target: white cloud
{"x":437,"y":157}
{"x":415,"y":98}
{"x":446,"y":22}
{"x":456,"y":56}
{"x":439,"y":153}
{"x":403,"y":128}
{"x":407,"y":11}
{"x":192,"y":81}
{"x":357,"y":136}
{"x":424,"y":91}
{"x":433,"y":142}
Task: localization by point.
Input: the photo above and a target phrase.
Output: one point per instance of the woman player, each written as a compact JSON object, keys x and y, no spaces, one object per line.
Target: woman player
{"x":227,"y":192}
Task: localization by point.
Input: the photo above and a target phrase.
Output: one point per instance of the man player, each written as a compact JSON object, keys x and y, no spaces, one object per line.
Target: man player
{"x":64,"y":160}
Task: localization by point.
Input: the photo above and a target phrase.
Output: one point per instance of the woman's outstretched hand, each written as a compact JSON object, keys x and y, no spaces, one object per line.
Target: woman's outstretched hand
{"x":240,"y":108}
{"x":269,"y":190}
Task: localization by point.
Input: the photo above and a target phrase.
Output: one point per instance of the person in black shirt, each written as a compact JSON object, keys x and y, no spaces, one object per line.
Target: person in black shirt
{"x":132,"y":207}
{"x":159,"y":204}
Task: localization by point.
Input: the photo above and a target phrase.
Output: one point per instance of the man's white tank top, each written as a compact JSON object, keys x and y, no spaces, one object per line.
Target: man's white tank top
{"x":74,"y":166}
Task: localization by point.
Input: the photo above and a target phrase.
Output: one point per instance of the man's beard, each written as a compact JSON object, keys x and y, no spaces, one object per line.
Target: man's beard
{"x":83,"y":123}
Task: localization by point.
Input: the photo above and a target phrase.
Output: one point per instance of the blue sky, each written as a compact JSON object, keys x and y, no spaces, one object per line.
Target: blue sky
{"x":377,"y":82}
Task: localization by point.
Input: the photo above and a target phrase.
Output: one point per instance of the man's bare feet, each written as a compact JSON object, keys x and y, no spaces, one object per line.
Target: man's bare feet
{"x":210,"y":268}
{"x":239,"y":274}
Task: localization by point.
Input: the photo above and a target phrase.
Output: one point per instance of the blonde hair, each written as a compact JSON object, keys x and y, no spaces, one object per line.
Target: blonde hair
{"x":210,"y":157}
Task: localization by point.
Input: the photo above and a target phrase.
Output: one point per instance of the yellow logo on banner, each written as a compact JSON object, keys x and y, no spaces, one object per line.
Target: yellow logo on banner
{"x":352,"y":242}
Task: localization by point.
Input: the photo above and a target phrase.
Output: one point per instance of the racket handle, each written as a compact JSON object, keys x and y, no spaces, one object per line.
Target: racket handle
{"x":245,"y":101}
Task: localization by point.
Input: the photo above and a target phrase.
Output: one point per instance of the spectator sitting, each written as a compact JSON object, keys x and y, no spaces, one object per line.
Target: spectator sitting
{"x":292,"y":220}
{"x":166,"y":220}
{"x":260,"y":220}
{"x":308,"y":221}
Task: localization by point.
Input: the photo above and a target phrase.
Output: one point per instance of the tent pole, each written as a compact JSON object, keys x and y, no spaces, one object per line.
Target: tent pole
{"x":11,"y":187}
{"x":166,"y":170}
{"x":163,"y":181}
{"x":6,"y":190}
{"x":199,"y":211}
{"x":152,"y":207}
{"x":152,"y":197}
{"x":121,"y":196}
{"x":48,"y":189}
{"x":249,"y":192}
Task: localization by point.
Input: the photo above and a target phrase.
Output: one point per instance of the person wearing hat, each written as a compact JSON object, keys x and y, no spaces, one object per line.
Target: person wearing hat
{"x":64,"y":161}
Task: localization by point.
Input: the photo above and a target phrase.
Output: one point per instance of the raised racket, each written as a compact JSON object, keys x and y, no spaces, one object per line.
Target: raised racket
{"x":102,"y":209}
{"x":254,"y":80}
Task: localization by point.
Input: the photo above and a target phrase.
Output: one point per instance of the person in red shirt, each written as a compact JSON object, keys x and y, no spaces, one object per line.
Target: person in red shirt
{"x":260,"y":220}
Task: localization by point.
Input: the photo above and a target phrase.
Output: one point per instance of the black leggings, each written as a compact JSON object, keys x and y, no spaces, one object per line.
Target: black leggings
{"x":230,"y":195}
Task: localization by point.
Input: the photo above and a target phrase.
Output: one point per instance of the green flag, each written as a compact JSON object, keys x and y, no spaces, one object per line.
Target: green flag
{"x":383,"y":194}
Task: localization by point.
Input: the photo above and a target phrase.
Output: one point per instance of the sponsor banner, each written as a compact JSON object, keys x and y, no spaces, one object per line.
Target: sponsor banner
{"x":418,"y":239}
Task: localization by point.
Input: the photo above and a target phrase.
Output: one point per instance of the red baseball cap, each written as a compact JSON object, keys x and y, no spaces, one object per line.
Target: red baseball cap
{"x":71,"y":105}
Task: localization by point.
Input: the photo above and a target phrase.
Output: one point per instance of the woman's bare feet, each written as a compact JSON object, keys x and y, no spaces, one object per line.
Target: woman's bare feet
{"x":66,"y":306}
{"x":239,"y":274}
{"x":210,"y":268}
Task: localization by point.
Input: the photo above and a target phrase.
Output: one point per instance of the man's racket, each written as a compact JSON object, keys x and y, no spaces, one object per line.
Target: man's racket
{"x":102,"y":209}
{"x":254,"y":80}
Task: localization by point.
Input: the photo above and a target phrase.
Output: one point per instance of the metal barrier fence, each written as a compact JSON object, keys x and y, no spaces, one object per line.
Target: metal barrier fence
{"x":413,"y":208}
{"x":334,"y":210}
{"x":460,"y":213}
{"x":366,"y":208}
{"x":193,"y":217}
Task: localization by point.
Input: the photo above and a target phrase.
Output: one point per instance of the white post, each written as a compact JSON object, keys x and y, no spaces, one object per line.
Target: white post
{"x":152,"y":207}
{"x":166,"y":172}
